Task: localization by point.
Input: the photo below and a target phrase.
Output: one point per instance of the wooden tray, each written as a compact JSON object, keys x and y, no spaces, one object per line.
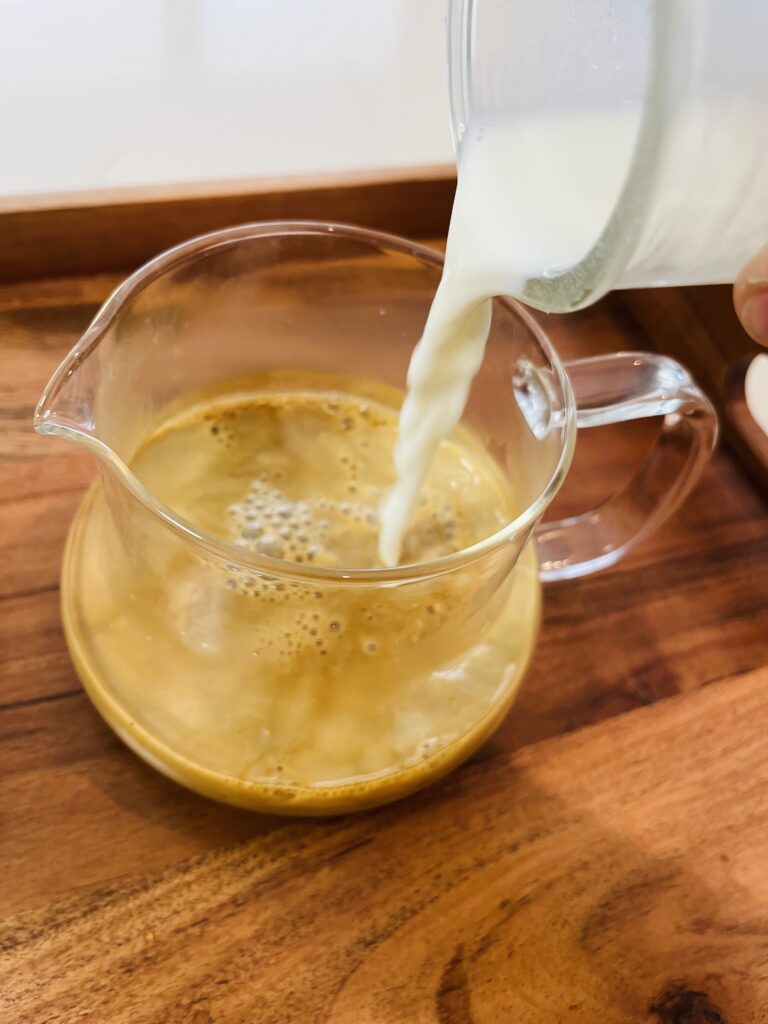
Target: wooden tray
{"x":603,"y":859}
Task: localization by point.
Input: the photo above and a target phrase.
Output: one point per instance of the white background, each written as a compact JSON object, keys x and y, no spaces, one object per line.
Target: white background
{"x":102,"y":93}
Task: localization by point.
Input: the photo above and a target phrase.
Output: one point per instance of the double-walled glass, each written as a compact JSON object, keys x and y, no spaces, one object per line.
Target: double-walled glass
{"x":163,"y":619}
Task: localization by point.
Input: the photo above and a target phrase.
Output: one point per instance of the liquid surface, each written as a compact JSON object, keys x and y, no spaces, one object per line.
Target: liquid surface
{"x":301,"y":476}
{"x":303,"y":696}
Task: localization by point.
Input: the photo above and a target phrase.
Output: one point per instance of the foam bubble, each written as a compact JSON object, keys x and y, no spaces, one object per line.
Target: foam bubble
{"x":267,"y":522}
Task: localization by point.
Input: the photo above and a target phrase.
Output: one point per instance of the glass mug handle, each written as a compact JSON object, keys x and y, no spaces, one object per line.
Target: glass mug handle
{"x":614,"y":389}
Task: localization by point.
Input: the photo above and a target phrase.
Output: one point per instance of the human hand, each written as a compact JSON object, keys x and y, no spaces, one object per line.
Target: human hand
{"x":750,"y":296}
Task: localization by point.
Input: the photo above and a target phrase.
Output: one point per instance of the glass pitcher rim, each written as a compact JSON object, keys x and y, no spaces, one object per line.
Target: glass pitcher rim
{"x":267,"y":565}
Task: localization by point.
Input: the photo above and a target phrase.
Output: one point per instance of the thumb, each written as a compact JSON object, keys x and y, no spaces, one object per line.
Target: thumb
{"x":750,"y":296}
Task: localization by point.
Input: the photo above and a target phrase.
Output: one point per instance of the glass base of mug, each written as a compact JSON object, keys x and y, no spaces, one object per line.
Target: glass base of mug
{"x":274,"y":795}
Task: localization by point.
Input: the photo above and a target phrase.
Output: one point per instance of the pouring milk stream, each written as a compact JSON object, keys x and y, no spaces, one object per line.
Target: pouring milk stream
{"x":646,"y":120}
{"x":494,"y":246}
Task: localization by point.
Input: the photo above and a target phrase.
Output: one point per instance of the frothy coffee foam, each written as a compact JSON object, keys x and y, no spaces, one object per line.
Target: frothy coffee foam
{"x":301,"y":476}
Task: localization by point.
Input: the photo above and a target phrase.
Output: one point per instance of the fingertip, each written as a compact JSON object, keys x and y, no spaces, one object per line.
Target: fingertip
{"x":754,"y":317}
{"x":750,"y":296}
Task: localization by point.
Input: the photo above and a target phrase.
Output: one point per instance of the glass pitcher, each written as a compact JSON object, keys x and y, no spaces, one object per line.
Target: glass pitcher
{"x":670,"y":96}
{"x":381,"y":679}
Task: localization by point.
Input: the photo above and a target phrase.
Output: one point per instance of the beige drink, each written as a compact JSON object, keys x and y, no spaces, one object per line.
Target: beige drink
{"x":300,"y":692}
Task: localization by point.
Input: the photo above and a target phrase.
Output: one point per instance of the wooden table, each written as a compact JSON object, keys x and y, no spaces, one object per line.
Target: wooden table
{"x":604,"y":860}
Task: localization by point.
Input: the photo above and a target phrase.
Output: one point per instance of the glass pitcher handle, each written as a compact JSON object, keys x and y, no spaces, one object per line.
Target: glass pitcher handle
{"x":613,"y":389}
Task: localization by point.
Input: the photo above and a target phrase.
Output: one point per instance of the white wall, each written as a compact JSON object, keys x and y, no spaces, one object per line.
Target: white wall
{"x":101,"y":93}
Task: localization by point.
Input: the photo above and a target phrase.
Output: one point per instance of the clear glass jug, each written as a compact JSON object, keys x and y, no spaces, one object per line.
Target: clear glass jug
{"x":165,"y":620}
{"x":670,"y":95}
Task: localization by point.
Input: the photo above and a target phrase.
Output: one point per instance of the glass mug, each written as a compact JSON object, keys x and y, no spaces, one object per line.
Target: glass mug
{"x":413,"y":667}
{"x":680,"y":91}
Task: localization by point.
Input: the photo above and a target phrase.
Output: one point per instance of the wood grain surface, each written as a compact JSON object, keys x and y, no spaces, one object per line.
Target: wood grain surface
{"x":86,"y":232}
{"x":606,"y":876}
{"x":697,"y":326}
{"x":614,"y":875}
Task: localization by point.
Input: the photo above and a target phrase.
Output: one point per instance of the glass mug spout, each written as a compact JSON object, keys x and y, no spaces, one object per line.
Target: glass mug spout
{"x":224,"y":632}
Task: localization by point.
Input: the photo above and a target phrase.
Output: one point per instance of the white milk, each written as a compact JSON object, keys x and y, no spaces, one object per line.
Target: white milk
{"x":531,"y":199}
